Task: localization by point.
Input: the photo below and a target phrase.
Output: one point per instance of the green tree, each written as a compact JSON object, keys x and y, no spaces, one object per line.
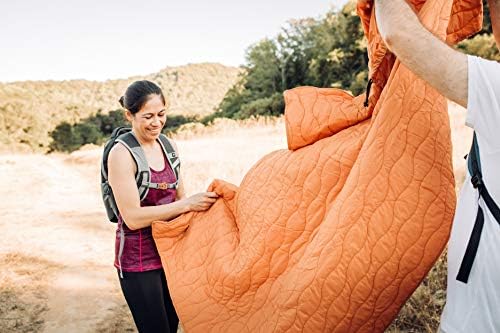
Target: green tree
{"x":327,"y":52}
{"x":263,"y":78}
{"x":339,"y":53}
{"x":62,"y":137}
{"x":294,"y":44}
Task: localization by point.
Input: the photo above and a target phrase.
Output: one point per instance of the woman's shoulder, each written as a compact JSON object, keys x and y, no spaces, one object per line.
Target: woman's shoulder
{"x":119,"y":154}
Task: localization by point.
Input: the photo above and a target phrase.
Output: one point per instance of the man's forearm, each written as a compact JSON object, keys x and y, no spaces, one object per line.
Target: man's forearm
{"x":495,"y":19}
{"x":422,"y":52}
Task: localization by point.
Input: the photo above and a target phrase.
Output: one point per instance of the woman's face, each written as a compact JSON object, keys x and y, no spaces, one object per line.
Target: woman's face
{"x":149,"y":121}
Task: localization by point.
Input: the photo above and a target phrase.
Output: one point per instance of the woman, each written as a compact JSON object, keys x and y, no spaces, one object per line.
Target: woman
{"x":143,"y":284}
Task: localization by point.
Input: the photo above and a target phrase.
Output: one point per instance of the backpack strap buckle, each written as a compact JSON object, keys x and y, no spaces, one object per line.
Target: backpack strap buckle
{"x":163,"y":186}
{"x":160,"y":186}
{"x":476,"y":181}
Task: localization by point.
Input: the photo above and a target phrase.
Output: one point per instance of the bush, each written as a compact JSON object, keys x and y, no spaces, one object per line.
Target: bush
{"x":422,"y":312}
{"x":273,"y":106}
{"x":97,"y":129}
{"x":176,"y":121}
{"x":107,"y":123}
{"x":68,"y":137}
{"x":482,"y":45}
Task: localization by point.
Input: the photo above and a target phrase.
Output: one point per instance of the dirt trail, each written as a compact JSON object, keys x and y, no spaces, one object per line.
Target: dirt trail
{"x":57,"y":249}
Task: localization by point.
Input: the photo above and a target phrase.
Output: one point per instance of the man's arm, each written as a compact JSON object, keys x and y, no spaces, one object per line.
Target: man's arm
{"x":495,"y":19}
{"x":423,"y":53}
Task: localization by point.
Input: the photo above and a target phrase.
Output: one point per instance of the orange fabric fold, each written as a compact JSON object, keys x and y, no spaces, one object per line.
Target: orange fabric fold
{"x":335,"y":233}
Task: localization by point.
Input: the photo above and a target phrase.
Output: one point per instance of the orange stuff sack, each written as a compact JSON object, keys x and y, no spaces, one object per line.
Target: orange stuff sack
{"x":335,"y":233}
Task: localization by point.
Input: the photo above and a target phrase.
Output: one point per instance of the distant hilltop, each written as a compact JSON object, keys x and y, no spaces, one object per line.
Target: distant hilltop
{"x":29,"y":110}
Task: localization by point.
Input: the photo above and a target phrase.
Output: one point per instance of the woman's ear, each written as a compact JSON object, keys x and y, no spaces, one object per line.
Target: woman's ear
{"x":128,"y":115}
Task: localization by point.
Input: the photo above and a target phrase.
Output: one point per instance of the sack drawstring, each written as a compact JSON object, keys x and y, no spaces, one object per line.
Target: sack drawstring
{"x":368,"y":87}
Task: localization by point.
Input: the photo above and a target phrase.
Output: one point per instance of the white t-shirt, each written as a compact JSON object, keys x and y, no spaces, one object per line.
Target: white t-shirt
{"x":475,"y":306}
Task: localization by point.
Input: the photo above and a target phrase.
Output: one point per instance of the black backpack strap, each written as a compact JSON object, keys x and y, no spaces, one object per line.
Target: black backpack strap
{"x":474,"y":166}
{"x":107,"y":193}
{"x":125,"y":136}
{"x":107,"y":148}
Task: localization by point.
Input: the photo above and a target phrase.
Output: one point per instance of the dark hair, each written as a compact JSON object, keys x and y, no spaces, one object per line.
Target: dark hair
{"x":138,"y":93}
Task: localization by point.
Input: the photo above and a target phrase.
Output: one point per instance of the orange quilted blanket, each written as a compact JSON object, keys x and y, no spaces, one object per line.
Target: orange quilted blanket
{"x":335,"y":233}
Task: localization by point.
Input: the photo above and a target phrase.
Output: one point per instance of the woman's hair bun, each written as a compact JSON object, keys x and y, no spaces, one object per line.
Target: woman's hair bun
{"x":138,"y":94}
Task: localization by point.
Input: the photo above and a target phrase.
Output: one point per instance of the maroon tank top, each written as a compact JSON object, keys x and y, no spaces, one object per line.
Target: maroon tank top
{"x":139,"y":250}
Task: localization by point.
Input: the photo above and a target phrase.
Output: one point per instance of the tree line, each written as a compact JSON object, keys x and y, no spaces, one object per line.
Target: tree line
{"x":326,"y":52}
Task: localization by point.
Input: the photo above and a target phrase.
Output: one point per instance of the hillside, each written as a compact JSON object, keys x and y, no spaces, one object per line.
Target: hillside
{"x":29,"y":110}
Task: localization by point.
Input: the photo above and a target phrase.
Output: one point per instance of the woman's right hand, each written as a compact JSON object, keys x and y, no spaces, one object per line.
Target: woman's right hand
{"x":201,"y":201}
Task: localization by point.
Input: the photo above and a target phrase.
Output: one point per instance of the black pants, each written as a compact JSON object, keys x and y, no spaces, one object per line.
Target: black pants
{"x":149,"y":301}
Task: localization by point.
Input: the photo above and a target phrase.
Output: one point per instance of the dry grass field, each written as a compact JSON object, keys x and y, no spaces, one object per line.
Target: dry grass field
{"x":57,"y":249}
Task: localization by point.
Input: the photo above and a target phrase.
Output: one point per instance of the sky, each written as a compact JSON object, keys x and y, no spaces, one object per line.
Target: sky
{"x":111,"y":39}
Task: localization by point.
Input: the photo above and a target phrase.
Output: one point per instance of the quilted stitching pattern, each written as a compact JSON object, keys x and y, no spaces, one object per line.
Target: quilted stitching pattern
{"x":334,"y":234}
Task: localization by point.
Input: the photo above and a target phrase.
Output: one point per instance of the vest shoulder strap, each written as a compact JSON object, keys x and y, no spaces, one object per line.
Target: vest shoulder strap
{"x":474,"y":166}
{"x":172,"y":157}
{"x":143,"y":175}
